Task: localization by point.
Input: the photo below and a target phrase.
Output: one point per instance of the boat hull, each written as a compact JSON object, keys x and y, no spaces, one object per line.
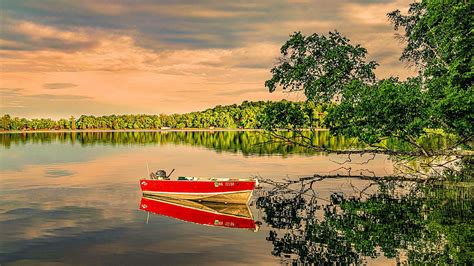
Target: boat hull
{"x":215,"y":214}
{"x":235,"y":191}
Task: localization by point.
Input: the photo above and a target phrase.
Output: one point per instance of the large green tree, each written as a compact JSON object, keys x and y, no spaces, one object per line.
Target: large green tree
{"x":387,"y":109}
{"x":439,"y":41}
{"x":320,"y":66}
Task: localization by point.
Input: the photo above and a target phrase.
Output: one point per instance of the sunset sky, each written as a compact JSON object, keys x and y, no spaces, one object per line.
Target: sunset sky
{"x":62,"y":58}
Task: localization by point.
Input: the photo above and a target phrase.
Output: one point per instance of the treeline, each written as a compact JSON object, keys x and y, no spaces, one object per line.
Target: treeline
{"x":248,"y":115}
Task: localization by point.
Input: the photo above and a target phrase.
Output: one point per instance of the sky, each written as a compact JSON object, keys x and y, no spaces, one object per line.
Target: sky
{"x":60,"y":58}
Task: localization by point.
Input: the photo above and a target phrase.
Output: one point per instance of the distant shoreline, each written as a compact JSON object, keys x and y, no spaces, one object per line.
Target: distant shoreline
{"x":139,"y":130}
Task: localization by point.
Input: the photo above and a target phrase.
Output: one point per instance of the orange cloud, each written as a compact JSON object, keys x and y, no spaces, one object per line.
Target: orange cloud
{"x":212,"y":54}
{"x":37,"y":31}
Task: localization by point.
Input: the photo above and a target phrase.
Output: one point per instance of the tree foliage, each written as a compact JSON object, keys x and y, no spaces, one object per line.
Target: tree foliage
{"x":285,"y":114}
{"x":387,"y":108}
{"x":246,"y":115}
{"x":439,"y":42}
{"x":320,"y":66}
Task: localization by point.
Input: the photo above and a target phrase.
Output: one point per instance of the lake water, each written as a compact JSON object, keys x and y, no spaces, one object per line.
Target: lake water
{"x":73,"y":198}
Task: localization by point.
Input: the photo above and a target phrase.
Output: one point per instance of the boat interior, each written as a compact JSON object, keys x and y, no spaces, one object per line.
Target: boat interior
{"x":161,"y":175}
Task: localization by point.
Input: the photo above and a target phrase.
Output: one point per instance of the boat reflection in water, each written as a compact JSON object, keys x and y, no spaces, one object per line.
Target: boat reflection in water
{"x":204,"y":213}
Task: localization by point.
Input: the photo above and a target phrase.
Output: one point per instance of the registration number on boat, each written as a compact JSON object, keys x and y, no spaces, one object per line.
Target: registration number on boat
{"x":227,"y":184}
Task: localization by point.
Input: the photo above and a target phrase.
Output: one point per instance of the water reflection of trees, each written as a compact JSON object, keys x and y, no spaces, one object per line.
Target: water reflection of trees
{"x":246,"y":142}
{"x":414,"y":222}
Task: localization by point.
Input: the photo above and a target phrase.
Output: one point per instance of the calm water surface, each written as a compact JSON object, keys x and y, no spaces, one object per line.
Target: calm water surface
{"x":74,"y":199}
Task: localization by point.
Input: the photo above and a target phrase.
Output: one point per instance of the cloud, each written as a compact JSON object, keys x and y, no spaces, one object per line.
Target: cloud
{"x":121,"y":53}
{"x":184,"y":24}
{"x":58,"y":86}
{"x":27,"y":35}
{"x":11,"y":97}
{"x":112,"y":53}
{"x":130,"y":55}
{"x":18,"y":102}
{"x":240,"y":92}
{"x":57,"y":173}
{"x":56,"y":97}
{"x":15,"y":102}
{"x":10,"y":92}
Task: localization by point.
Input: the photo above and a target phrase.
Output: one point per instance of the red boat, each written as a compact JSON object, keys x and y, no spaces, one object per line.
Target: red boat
{"x":209,"y":213}
{"x":200,"y":189}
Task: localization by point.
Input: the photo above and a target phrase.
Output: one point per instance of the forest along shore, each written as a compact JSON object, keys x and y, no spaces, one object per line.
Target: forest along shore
{"x":248,"y":115}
